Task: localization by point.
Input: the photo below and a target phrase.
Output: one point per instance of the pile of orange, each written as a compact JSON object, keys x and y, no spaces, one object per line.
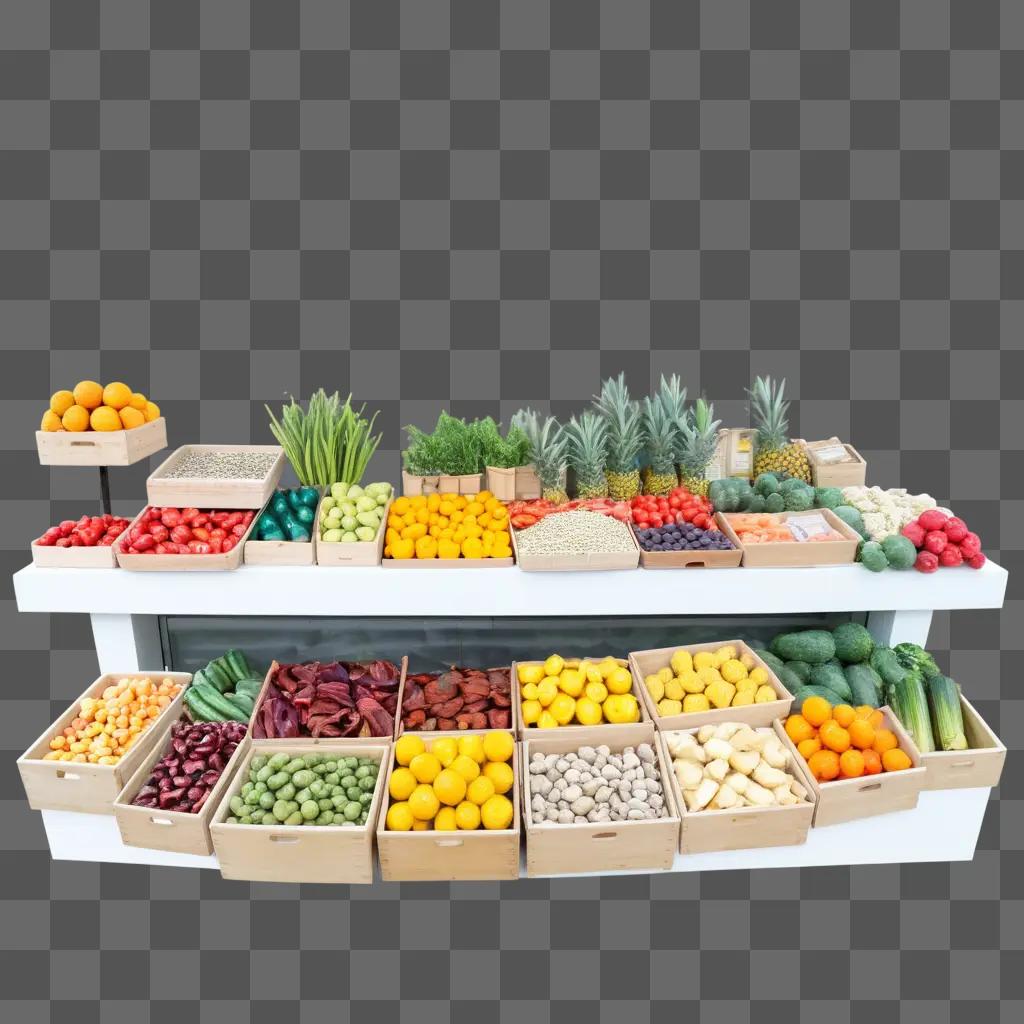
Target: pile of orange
{"x":844,"y":742}
{"x":448,"y":526}
{"x":94,"y":407}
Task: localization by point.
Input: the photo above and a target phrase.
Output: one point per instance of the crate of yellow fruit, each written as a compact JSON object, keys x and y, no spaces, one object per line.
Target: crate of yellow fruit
{"x":95,"y":425}
{"x":447,"y":531}
{"x":575,"y":694}
{"x":701,"y":684}
{"x":451,"y":808}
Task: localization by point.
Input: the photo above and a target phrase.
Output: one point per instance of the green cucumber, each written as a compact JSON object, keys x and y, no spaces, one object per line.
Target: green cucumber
{"x":801,"y":668}
{"x":224,"y":708}
{"x":832,"y":677}
{"x":865,"y":685}
{"x":217,"y":674}
{"x":814,"y":691}
{"x":200,"y":710}
{"x":236,"y":664}
{"x":250,"y":687}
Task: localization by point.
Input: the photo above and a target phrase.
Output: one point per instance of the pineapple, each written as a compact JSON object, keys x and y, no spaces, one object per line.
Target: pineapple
{"x":586,"y":439}
{"x":625,"y":437}
{"x":660,"y":434}
{"x":774,"y":452}
{"x":698,"y":439}
{"x":547,"y":452}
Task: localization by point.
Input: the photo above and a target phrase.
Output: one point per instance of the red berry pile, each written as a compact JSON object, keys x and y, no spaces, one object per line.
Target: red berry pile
{"x":679,"y":506}
{"x":87,"y":532}
{"x":943,"y":540}
{"x":186,"y":531}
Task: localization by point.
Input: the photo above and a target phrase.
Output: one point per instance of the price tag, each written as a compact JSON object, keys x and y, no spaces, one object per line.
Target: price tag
{"x":804,"y":528}
{"x":832,"y":454}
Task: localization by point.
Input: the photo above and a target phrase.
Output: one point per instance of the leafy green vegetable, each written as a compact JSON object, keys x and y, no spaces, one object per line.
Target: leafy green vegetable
{"x":453,"y":449}
{"x":501,"y":452}
{"x":916,"y":660}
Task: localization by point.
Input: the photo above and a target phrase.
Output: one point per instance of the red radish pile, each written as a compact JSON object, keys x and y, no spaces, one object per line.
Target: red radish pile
{"x":186,"y":531}
{"x":87,"y":532}
{"x":943,"y":540}
{"x":184,"y":777}
{"x":680,"y":506}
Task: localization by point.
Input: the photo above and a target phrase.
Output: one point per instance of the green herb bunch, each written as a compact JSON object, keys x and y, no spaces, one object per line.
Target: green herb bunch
{"x":453,"y":448}
{"x":506,"y":452}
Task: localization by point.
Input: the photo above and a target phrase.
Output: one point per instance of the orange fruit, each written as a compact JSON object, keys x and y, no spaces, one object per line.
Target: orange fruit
{"x":885,"y":739}
{"x":105,"y":418}
{"x":61,"y":401}
{"x":851,"y":764}
{"x":862,"y":735}
{"x":76,"y":418}
{"x":88,"y":394}
{"x":51,"y":421}
{"x":152,"y":412}
{"x":798,"y":728}
{"x":131,"y":418}
{"x":809,"y":747}
{"x":872,"y":762}
{"x":896,"y":760}
{"x":816,"y":710}
{"x":138,"y":401}
{"x":844,"y":715}
{"x":824,"y":765}
{"x":117,"y":395}
{"x":834,"y":737}
{"x":877,"y":719}
{"x":864,"y":710}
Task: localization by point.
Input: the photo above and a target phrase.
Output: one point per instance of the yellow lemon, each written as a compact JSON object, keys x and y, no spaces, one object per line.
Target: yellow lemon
{"x":480,"y":790}
{"x":703,"y":659}
{"x":425,"y":767}
{"x":758,"y":675}
{"x":733,"y":670}
{"x":593,"y":674}
{"x":131,"y":418}
{"x":588,"y":711}
{"x":450,"y":787}
{"x":547,"y":720}
{"x":445,"y":750}
{"x":496,"y":813}
{"x":76,"y":418}
{"x":466,"y":767}
{"x":399,"y":818}
{"x":421,"y":826}
{"x":530,"y":710}
{"x":563,"y":707}
{"x":138,"y":401}
{"x":473,"y":746}
{"x":529,"y":691}
{"x":554,"y":665}
{"x":117,"y":395}
{"x":681,"y":662}
{"x":88,"y":394}
{"x":500,"y":776}
{"x":467,"y":816}
{"x":747,"y":661}
{"x":60,"y":402}
{"x":152,"y":412}
{"x":547,"y":690}
{"x":530,"y":673}
{"x":402,"y":783}
{"x":105,"y":418}
{"x":445,"y":820}
{"x":726,"y":653}
{"x":620,"y":680}
{"x":407,"y":748}
{"x":423,"y":803}
{"x":620,"y":708}
{"x":499,"y":746}
{"x":596,"y":692}
{"x":571,"y":682}
{"x":51,"y":422}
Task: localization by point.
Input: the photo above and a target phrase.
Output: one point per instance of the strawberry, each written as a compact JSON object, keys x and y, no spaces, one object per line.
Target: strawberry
{"x":932,"y":519}
{"x":914,"y":532}
{"x":935,"y":541}
{"x":926,"y":562}
{"x":955,"y":529}
{"x":951,"y":556}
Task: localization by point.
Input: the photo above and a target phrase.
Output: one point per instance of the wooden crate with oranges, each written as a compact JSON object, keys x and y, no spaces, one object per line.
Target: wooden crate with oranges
{"x":456,"y":531}
{"x":861,"y":761}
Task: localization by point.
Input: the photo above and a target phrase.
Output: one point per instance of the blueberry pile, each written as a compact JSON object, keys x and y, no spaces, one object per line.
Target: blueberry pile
{"x":682,"y":537}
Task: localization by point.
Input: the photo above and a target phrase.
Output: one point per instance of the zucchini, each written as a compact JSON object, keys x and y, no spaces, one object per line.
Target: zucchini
{"x":814,"y":691}
{"x":790,"y":680}
{"x":217,"y":673}
{"x":832,"y":677}
{"x":237,"y":665}
{"x":865,"y":685}
{"x":814,"y":646}
{"x":242,"y":701}
{"x":800,"y":668}
{"x":224,"y":708}
{"x":887,"y":665}
{"x":250,"y":687}
{"x":198,"y":709}
{"x":947,"y":718}
{"x":911,"y":708}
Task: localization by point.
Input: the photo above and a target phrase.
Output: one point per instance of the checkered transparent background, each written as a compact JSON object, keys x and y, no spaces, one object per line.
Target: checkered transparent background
{"x":489,"y":204}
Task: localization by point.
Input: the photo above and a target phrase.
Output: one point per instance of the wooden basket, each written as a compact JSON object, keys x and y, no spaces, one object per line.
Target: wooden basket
{"x":174,"y":831}
{"x":451,"y":856}
{"x":98,"y":557}
{"x":400,"y":729}
{"x":586,"y":561}
{"x":980,"y":766}
{"x":553,"y":849}
{"x":764,"y":556}
{"x":582,"y":733}
{"x":101,"y":447}
{"x":470,"y":483}
{"x":298,"y":853}
{"x":364,"y":552}
{"x":644,"y":663}
{"x":180,"y":563}
{"x":850,"y":799}
{"x":519,"y":483}
{"x":185,"y":492}
{"x":91,"y":788}
{"x":834,"y":474}
{"x":283,"y":552}
{"x":746,"y":828}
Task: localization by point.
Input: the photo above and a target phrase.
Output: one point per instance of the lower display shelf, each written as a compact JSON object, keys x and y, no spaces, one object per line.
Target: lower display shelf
{"x":943,"y":827}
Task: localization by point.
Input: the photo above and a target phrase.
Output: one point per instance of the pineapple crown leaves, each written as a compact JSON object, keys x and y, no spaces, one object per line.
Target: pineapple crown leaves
{"x":586,"y":439}
{"x":698,"y":430}
{"x":661,"y":435}
{"x":547,"y":444}
{"x":768,"y":408}
{"x":672,"y":395}
{"x":625,"y":428}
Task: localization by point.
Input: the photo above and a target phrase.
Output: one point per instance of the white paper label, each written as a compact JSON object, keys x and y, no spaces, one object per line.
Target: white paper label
{"x":805,"y":527}
{"x":833,"y":453}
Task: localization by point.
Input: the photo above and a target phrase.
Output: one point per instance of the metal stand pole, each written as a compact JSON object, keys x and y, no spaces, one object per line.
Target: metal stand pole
{"x":105,"y":490}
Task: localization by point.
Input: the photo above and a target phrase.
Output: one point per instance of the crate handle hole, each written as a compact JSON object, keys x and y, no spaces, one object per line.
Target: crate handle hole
{"x":83,"y":444}
{"x":869,"y":786}
{"x":962,"y":764}
{"x":161,"y":821}
{"x":284,"y":839}
{"x":68,"y":775}
{"x":449,"y":842}
{"x":604,"y":835}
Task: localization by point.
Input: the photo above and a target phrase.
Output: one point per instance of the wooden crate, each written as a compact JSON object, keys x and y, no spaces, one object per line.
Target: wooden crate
{"x":850,"y":799}
{"x":174,"y":831}
{"x":746,"y":828}
{"x":451,"y":856}
{"x":280,"y":552}
{"x":470,"y":483}
{"x":180,"y":563}
{"x":694,"y":559}
{"x":274,"y":665}
{"x":578,"y":562}
{"x":837,"y":474}
{"x":520,"y":483}
{"x":400,"y":729}
{"x":583,"y":733}
{"x":644,"y":663}
{"x":448,"y":563}
{"x":202,"y":492}
{"x":299,"y":853}
{"x":553,"y":849}
{"x":101,"y":447}
{"x":98,"y":557}
{"x":980,"y":766}
{"x":364,"y":552}
{"x":763,"y":556}
{"x":91,"y":788}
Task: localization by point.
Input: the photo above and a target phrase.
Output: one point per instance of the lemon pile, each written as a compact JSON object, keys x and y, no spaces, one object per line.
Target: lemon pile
{"x":574,"y":692}
{"x":452,"y":783}
{"x":708,"y":679}
{"x":93,"y":407}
